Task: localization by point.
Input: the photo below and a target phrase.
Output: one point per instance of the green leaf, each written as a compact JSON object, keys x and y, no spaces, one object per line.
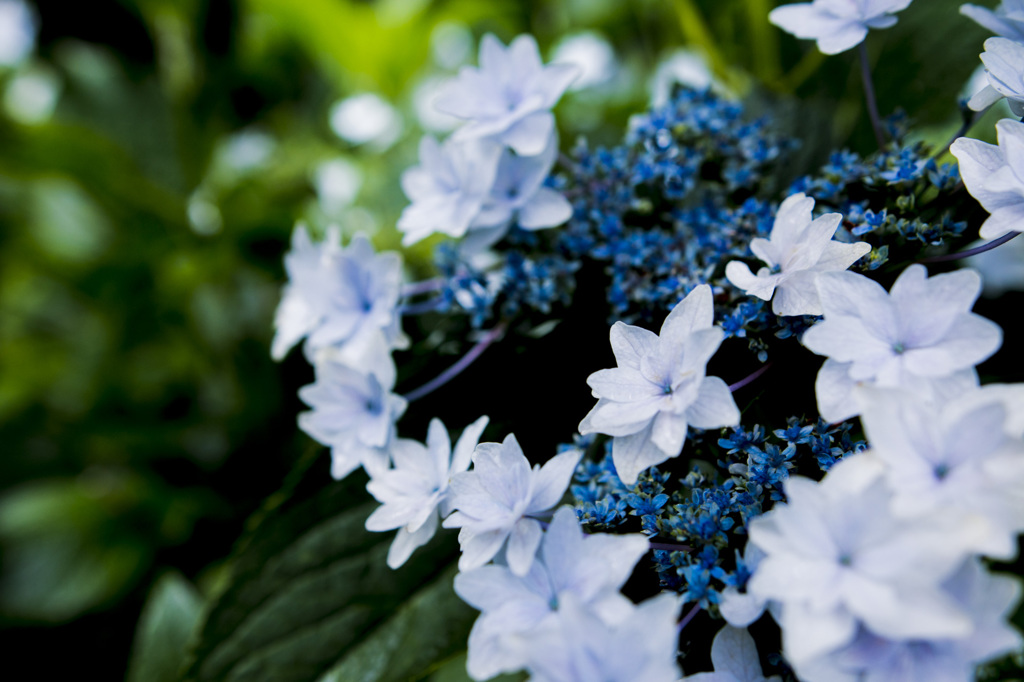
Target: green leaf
{"x":310,"y":595}
{"x":66,"y":550}
{"x":454,"y":670}
{"x":168,"y":620}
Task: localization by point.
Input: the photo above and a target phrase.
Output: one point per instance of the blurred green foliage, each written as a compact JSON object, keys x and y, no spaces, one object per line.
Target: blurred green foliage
{"x":145,"y":210}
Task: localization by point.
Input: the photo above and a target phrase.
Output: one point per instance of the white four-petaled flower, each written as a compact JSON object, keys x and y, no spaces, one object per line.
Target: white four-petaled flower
{"x":659,"y":388}
{"x":498,"y":499}
{"x":921,"y":336}
{"x":591,"y":568}
{"x":354,"y":413}
{"x":414,"y":494}
{"x":994,"y":175}
{"x":344,"y":300}
{"x":449,"y":188}
{"x":837,"y":25}
{"x":509,"y":97}
{"x":797,"y":250}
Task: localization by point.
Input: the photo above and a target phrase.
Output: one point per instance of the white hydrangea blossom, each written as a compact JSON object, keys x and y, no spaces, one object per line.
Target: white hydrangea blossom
{"x":449,"y":188}
{"x":734,"y":656}
{"x":341,"y":300}
{"x":921,"y":336}
{"x":837,"y":25}
{"x":1006,"y":21}
{"x":659,"y":388}
{"x":798,"y":248}
{"x":1004,"y":68}
{"x":518,"y":194}
{"x":591,"y":568}
{"x":837,"y":559}
{"x":956,"y":457}
{"x":580,"y":647}
{"x":498,"y":500}
{"x":988,"y":598}
{"x":414,"y":494}
{"x":509,"y":97}
{"x":994,"y":175}
{"x":354,"y":413}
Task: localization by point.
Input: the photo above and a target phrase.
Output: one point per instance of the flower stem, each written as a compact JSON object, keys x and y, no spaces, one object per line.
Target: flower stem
{"x":971,"y":252}
{"x":420,"y":308}
{"x":869,"y":95}
{"x":688,"y":617}
{"x":454,"y":371}
{"x":670,"y":547}
{"x":743,"y":382}
{"x":424,"y":287}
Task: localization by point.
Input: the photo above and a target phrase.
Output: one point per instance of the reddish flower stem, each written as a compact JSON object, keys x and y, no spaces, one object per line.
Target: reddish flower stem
{"x":453,"y":371}
{"x":743,"y":382}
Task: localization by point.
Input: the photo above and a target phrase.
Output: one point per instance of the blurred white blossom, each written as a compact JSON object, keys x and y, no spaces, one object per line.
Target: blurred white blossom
{"x":366,"y":118}
{"x":509,"y":96}
{"x":837,"y":25}
{"x":1006,"y":21}
{"x":17,"y":32}
{"x":592,"y":54}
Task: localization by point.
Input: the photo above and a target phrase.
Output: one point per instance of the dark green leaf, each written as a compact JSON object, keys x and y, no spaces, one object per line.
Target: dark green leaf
{"x":310,"y":592}
{"x":168,"y":620}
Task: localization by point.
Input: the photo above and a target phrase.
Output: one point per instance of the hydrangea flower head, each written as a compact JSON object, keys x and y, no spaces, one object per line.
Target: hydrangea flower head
{"x":580,"y":647}
{"x":994,"y":175}
{"x":415,"y":491}
{"x":509,"y":96}
{"x":1004,"y":68}
{"x":837,"y":25}
{"x":496,"y":501}
{"x":836,"y":557}
{"x":1006,"y":21}
{"x":344,"y":299}
{"x":798,"y":248}
{"x":734,"y":655}
{"x":590,"y":568}
{"x":449,"y":188}
{"x":659,"y":388}
{"x":354,"y":414}
{"x":921,"y":336}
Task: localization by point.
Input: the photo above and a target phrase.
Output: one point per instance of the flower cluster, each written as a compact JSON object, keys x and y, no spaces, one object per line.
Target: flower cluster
{"x":903,"y":579}
{"x":490,"y":173}
{"x":864,"y":539}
